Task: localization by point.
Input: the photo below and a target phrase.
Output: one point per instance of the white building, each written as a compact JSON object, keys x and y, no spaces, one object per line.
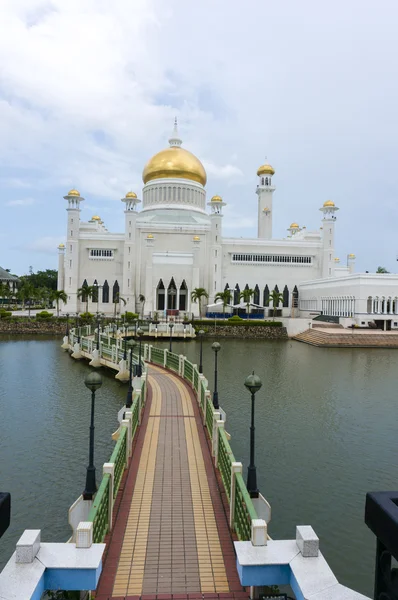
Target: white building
{"x":175,"y":244}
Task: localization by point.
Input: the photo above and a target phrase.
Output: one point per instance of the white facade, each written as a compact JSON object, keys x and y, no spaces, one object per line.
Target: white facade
{"x":173,"y":245}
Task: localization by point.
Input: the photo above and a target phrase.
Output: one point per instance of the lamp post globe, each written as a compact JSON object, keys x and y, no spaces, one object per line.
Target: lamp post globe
{"x":129,"y":401}
{"x":216,"y":349}
{"x":139,"y":367}
{"x":252,"y":383}
{"x":171,"y":325}
{"x":93,"y":382}
{"x":201,"y":334}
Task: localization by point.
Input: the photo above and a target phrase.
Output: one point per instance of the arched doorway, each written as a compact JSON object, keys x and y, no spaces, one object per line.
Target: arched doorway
{"x":160,"y":296}
{"x":183,"y":299}
{"x":172,"y":295}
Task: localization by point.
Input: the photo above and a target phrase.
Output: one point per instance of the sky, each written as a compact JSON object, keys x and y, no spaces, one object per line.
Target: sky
{"x":89,"y":90}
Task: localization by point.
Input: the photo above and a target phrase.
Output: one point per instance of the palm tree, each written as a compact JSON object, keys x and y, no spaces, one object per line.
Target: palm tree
{"x":85,"y":293}
{"x":58,"y":295}
{"x":225,"y":298}
{"x":142,"y":299}
{"x":382,"y":270}
{"x":26,"y":292}
{"x":246,"y":295}
{"x":196,"y":296}
{"x":276,"y":298}
{"x":118,"y":299}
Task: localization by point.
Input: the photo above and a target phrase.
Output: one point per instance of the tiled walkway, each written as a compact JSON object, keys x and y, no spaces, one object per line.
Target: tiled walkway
{"x":170,"y":537}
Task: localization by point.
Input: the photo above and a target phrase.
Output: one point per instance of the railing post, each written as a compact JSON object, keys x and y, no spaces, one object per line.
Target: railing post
{"x":165,"y":357}
{"x":236,"y":467}
{"x":110,"y":468}
{"x":127,"y":423}
{"x":214,"y":437}
{"x":181,"y":360}
{"x":194,"y":367}
{"x":207,"y":396}
{"x":150,"y":353}
{"x":145,"y":351}
{"x":139,"y":400}
{"x":259,"y":532}
{"x":219,"y":425}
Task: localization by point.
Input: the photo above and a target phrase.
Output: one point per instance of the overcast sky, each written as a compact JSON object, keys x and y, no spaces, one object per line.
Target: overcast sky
{"x":89,"y":90}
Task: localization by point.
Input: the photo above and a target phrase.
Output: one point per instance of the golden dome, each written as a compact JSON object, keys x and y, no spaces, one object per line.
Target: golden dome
{"x":73,"y":192}
{"x":266,"y":209}
{"x":176,"y":163}
{"x":196,"y":238}
{"x":266,"y":170}
{"x":328,"y":203}
{"x":96,"y":218}
{"x":61,"y":246}
{"x":131,"y":195}
{"x":351,"y":256}
{"x":216,"y":199}
{"x":149,"y":236}
{"x":294,"y":226}
{"x":337,"y":260}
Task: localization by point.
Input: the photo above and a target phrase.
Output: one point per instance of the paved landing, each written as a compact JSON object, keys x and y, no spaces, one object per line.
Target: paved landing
{"x":171,"y":535}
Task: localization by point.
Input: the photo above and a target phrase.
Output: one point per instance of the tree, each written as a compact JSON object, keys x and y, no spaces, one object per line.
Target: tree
{"x":85,"y":293}
{"x":225,"y":298}
{"x":382,"y":270}
{"x":246,"y":295}
{"x":59,"y":295}
{"x":196,"y":296}
{"x":142,"y":299}
{"x":118,"y":299}
{"x":42,"y":279}
{"x":26,"y":292}
{"x":276,"y":298}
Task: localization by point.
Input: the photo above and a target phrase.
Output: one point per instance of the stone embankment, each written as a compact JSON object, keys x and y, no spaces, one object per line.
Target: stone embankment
{"x":239,"y":331}
{"x":345,"y":339}
{"x":28,"y":326}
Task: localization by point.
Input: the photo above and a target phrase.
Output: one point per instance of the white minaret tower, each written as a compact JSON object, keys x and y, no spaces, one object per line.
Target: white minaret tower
{"x":351,"y":262}
{"x":130,"y":254}
{"x":61,"y":267}
{"x":265,"y":191}
{"x":328,"y":222}
{"x":215,"y":262}
{"x":71,"y":277}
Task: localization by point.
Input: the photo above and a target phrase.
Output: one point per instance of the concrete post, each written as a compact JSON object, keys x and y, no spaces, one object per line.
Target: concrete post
{"x":110,"y":468}
{"x":165,"y":357}
{"x":236,"y":467}
{"x":150,"y":353}
{"x":139,"y":400}
{"x":216,"y":417}
{"x":207,"y":396}
{"x":127,"y":423}
{"x":181,"y":359}
{"x":259,"y":532}
{"x":219,"y":425}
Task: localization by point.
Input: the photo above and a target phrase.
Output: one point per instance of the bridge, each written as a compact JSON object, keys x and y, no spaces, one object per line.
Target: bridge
{"x":172,"y":518}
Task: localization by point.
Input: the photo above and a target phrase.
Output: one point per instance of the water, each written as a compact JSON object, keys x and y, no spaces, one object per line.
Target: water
{"x":326,"y":435}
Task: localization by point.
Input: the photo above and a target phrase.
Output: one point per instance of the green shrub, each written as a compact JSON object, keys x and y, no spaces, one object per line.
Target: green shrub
{"x":4,"y":314}
{"x":130,"y":316}
{"x":44,"y":315}
{"x":86,"y":317}
{"x":235,"y":318}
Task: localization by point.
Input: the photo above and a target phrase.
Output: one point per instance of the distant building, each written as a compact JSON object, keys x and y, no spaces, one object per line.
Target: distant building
{"x":11,"y":280}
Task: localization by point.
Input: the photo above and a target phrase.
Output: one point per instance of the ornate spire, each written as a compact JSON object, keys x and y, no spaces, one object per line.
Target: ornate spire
{"x":175,"y":139}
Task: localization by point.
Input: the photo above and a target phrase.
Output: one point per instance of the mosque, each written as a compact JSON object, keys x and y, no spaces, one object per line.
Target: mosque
{"x":175,"y":244}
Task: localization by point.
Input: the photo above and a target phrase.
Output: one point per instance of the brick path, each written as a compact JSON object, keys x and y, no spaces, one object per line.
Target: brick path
{"x":170,"y":537}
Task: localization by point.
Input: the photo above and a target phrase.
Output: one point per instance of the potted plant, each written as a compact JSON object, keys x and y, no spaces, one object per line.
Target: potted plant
{"x":155,"y":318}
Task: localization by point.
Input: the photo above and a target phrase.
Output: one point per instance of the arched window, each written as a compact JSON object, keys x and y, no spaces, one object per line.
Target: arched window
{"x":94,"y":297}
{"x":105,"y":292}
{"x":182,"y":305}
{"x":236,"y":294}
{"x":266,"y":296}
{"x":295,"y":297}
{"x":266,"y":181}
{"x":160,"y":295}
{"x":115,"y":293}
{"x":285,"y":297}
{"x":85,"y":284}
{"x":226,"y":287}
{"x":262,"y":180}
{"x":172,"y":295}
{"x":256,"y":296}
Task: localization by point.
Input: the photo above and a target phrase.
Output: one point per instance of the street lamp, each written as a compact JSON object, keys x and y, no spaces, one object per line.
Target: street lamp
{"x":125,"y":346}
{"x":67,"y":325}
{"x":98,"y":332}
{"x":77,"y":326}
{"x":171,"y":325}
{"x":93,"y":382}
{"x":139,"y":367}
{"x":129,"y":400}
{"x":253,"y":384}
{"x":201,"y":334}
{"x":216,"y":349}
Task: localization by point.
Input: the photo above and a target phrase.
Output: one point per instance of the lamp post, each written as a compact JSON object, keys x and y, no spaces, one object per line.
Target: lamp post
{"x":129,"y":400}
{"x":125,"y":346}
{"x":67,"y":325}
{"x":253,"y":384}
{"x":201,"y":334}
{"x":139,"y":367}
{"x":216,"y":349}
{"x":77,"y":326}
{"x":93,"y":382}
{"x":171,"y":325}
{"x":98,"y":332}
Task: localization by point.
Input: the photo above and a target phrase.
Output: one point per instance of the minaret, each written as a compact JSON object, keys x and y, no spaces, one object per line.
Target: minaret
{"x":71,"y":277}
{"x":265,"y":191}
{"x":130,"y":256}
{"x":328,"y":221}
{"x":351,"y":262}
{"x":215,"y":262}
{"x":61,"y":267}
{"x":175,"y":139}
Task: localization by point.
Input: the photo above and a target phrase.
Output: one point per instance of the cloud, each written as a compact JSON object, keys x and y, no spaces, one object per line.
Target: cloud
{"x":46,"y":245}
{"x":222,"y":172}
{"x":21,"y":202}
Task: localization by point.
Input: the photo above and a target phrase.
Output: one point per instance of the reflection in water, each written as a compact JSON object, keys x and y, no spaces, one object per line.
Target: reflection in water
{"x":325,"y":435}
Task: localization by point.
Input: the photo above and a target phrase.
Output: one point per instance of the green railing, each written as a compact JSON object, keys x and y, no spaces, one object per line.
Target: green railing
{"x":209,"y":417}
{"x":135,"y":409}
{"x":225,"y":460}
{"x":99,"y":513}
{"x":173,"y":361}
{"x":157,"y":356}
{"x":196,"y":379}
{"x":119,"y":459}
{"x":244,"y":510}
{"x":188,"y":370}
{"x":202,"y":397}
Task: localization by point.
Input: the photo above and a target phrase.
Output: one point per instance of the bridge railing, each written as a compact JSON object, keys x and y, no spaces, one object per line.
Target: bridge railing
{"x":242,"y":511}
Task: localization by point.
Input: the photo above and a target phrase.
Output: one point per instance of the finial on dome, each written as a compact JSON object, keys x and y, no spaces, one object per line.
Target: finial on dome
{"x":175,"y":139}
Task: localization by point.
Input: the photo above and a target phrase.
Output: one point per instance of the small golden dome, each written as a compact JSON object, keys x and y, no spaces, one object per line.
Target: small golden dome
{"x":61,"y":246}
{"x":175,"y":163}
{"x":216,"y":199}
{"x":294,"y":226}
{"x":337,"y":260}
{"x":73,"y":192}
{"x":328,"y":203}
{"x":351,"y":256}
{"x":131,"y":195}
{"x":196,"y":238}
{"x":96,"y":218}
{"x":266,"y":209}
{"x":266,"y":170}
{"x":149,"y":236}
